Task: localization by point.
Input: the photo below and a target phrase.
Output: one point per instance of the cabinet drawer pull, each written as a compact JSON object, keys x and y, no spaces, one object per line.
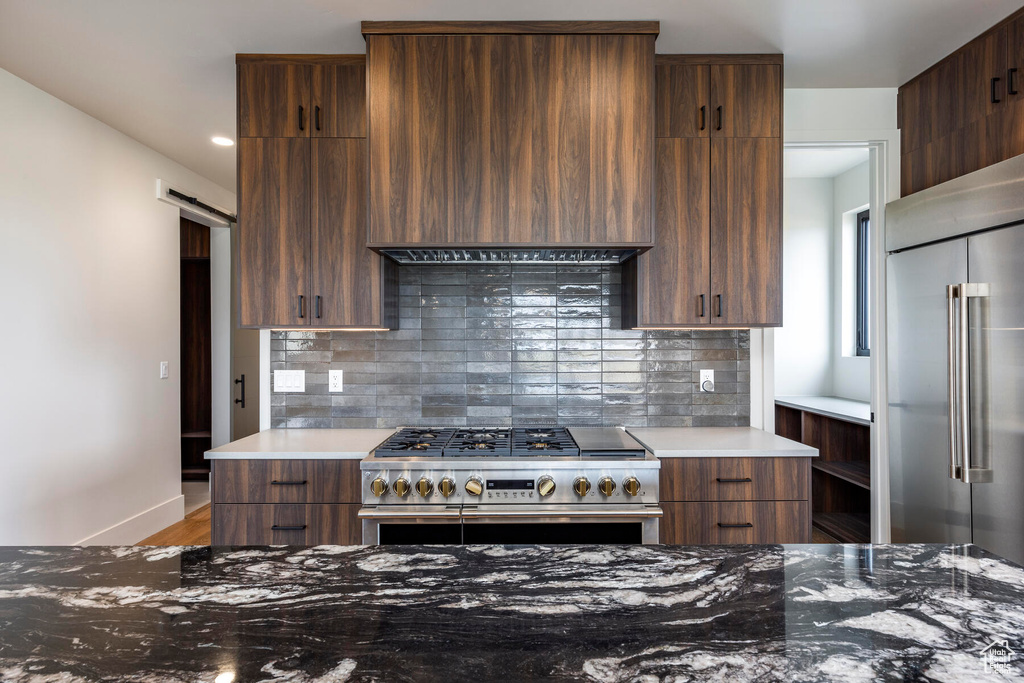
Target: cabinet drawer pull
{"x":318,"y":305}
{"x":744,"y":480}
{"x":316,"y":116}
{"x":745,"y":525}
{"x":278,"y":527}
{"x":718,"y":298}
{"x":701,"y":306}
{"x":703,"y":116}
{"x":719,"y":126}
{"x":995,"y":100}
{"x":302,"y":124}
{"x":288,"y":483}
{"x":302,"y":306}
{"x":1009,"y":81}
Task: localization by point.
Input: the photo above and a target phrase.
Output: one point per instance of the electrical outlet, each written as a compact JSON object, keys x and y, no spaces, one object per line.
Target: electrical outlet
{"x":335,"y":380}
{"x":292,"y":381}
{"x":707,"y":381}
{"x":165,"y":371}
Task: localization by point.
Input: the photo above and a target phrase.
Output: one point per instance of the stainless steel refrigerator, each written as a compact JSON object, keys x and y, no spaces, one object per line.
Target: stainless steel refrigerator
{"x":955,"y":341}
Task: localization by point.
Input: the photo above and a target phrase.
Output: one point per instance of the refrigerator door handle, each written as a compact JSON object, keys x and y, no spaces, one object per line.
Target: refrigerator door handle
{"x":952,"y":294}
{"x":968,"y":473}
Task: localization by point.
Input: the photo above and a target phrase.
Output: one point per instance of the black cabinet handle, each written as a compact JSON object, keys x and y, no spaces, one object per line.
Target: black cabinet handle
{"x":1009,"y":81}
{"x":316,"y":115}
{"x":242,"y":382}
{"x":995,"y":100}
{"x":277,"y":527}
{"x":719,"y":127}
{"x":744,"y":480}
{"x":302,"y":306}
{"x":718,"y":299}
{"x":703,"y":115}
{"x":275,"y":482}
{"x":745,"y":525}
{"x":318,"y":305}
{"x":701,"y":306}
{"x":302,"y":119}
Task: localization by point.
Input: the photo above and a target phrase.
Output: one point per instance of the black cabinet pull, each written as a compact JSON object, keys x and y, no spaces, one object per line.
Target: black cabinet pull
{"x":718,"y":299}
{"x":701,"y":306}
{"x":744,"y":480}
{"x":242,"y":382}
{"x":316,"y":116}
{"x":1009,"y":81}
{"x":302,"y":306}
{"x":745,"y":525}
{"x":302,"y":120}
{"x":275,"y":482}
{"x":703,"y":115}
{"x":278,"y":527}
{"x":318,"y":305}
{"x":995,"y":100}
{"x":719,"y":127}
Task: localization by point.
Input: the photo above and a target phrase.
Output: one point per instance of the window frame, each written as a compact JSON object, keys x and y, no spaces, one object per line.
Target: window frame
{"x":863,"y":341}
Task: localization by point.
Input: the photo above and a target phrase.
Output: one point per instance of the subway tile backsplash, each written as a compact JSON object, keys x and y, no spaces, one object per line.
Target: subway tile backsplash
{"x":523,"y":344}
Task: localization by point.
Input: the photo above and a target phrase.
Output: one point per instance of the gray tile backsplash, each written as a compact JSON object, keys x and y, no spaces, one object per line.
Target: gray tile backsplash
{"x":495,"y":345}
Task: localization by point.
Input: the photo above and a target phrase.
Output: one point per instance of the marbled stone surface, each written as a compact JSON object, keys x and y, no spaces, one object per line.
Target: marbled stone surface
{"x":481,"y":613}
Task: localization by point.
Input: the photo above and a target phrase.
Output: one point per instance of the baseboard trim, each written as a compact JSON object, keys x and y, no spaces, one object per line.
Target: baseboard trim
{"x":142,"y":525}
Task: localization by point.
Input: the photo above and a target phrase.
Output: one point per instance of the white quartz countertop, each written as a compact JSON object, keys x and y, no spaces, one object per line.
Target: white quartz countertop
{"x":303,"y":444}
{"x":717,"y":442}
{"x":858,"y":412}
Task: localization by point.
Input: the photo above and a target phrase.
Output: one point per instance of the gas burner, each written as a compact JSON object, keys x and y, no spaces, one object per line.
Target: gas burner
{"x":418,"y":446}
{"x":537,"y":441}
{"x":543,"y":446}
{"x":484,"y":446}
{"x":478,"y":442}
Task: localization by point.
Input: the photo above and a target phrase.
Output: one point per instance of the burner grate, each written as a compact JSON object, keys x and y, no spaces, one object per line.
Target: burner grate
{"x":479,"y":442}
{"x":540,"y":441}
{"x":416,"y":441}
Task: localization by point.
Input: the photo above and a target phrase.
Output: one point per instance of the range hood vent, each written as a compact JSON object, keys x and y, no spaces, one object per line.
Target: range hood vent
{"x":481,"y":256}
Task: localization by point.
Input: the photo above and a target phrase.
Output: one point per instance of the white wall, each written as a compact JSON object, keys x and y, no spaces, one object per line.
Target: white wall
{"x":803,"y":345}
{"x":851,"y":374}
{"x":89,"y":295}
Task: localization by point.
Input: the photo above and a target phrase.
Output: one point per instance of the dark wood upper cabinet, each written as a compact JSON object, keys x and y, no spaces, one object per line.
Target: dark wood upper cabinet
{"x":273,"y":230}
{"x":746,"y":99}
{"x":520,"y":139}
{"x":338,"y":100}
{"x":681,"y":107}
{"x":746,"y":234}
{"x":273,"y":100}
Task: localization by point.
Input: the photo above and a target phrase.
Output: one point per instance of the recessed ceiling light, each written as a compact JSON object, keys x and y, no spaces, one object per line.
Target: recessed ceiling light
{"x":223,"y":142}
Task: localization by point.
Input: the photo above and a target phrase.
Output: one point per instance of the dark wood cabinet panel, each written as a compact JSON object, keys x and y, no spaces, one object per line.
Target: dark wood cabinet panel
{"x":746,"y":100}
{"x":981,"y":76}
{"x":273,"y":230}
{"x":286,"y":524}
{"x":682,"y":100}
{"x":674,"y":277}
{"x":346,"y":282}
{"x":731,"y":479}
{"x":273,"y":100}
{"x":928,"y":107}
{"x":298,"y":481}
{"x":736,"y":523}
{"x":338,"y":101}
{"x":746,"y":231}
{"x":508,"y":27}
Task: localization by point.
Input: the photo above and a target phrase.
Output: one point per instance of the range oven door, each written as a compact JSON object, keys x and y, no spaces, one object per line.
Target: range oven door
{"x":619,"y":524}
{"x":411,"y":524}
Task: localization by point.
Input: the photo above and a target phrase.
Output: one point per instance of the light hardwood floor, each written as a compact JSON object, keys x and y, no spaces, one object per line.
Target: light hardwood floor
{"x":193,"y":530}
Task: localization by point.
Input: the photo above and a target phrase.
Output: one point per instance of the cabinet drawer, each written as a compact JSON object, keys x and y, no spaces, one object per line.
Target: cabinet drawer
{"x":710,"y":479}
{"x":286,"y":481}
{"x":736,"y":523}
{"x":287,"y":524}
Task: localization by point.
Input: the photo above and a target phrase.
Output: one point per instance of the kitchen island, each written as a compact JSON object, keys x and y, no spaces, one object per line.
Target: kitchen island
{"x":480,"y":613}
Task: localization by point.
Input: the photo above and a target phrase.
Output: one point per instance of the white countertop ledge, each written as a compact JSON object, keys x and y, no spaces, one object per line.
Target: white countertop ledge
{"x":718,"y":442}
{"x":303,"y":444}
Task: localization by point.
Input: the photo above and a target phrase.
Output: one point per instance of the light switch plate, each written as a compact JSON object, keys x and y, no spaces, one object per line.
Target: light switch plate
{"x":707,"y":380}
{"x":293,"y":381}
{"x":164,"y":369}
{"x":335,"y":380}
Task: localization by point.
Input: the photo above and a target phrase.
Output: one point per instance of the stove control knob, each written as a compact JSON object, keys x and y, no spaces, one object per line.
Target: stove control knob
{"x":606,"y":486}
{"x":402,"y":487}
{"x":424,"y":487}
{"x":631,"y":485}
{"x":446,"y":487}
{"x":379,"y":486}
{"x":474,"y":486}
{"x":581,"y":486}
{"x":545,"y":486}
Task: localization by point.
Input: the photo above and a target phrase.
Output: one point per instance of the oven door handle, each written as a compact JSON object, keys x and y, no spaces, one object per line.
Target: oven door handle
{"x":550,"y":512}
{"x":408,"y":513}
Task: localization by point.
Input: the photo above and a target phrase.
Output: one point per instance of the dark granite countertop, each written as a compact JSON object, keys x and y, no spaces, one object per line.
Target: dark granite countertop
{"x":581,"y":613}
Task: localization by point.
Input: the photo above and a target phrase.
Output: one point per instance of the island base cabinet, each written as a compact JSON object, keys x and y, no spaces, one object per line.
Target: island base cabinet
{"x":286,"y":524}
{"x":727,"y":523}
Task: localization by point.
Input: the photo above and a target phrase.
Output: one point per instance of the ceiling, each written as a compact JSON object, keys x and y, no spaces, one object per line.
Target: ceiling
{"x":811,"y":162}
{"x":163,"y":71}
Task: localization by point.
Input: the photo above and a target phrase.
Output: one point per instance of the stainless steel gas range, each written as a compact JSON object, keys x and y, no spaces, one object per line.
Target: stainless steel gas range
{"x":510,"y":485}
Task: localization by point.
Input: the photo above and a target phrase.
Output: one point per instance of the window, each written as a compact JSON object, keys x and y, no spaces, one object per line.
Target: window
{"x":863,"y":251}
